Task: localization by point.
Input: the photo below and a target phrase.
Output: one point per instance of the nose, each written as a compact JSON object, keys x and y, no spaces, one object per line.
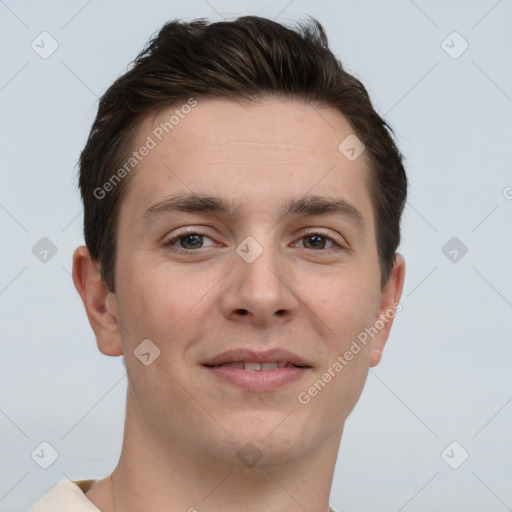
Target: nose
{"x":260,"y":292}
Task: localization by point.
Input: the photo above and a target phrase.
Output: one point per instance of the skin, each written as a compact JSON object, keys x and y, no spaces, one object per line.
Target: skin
{"x":184,"y":426}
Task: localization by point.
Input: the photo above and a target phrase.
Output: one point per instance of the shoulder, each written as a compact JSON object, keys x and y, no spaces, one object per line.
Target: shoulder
{"x":65,"y":495}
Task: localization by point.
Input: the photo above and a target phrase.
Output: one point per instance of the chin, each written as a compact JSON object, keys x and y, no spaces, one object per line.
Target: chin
{"x":275,"y":437}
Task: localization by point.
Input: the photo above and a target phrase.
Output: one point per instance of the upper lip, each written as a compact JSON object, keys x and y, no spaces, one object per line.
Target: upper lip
{"x":267,"y":356}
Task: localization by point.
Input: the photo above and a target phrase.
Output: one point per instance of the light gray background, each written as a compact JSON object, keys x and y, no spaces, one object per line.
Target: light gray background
{"x":445,"y":375}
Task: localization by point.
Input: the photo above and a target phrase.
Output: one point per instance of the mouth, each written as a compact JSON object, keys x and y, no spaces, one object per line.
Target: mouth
{"x":257,"y":371}
{"x":256,"y":366}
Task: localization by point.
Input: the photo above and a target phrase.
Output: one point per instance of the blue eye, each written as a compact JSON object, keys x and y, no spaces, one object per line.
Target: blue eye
{"x":193,"y":239}
{"x":319,"y":241}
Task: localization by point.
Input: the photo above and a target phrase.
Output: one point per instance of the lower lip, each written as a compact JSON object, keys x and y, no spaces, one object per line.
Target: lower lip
{"x":264,"y":380}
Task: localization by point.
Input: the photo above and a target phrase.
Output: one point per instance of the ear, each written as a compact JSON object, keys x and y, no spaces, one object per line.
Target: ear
{"x":389,"y":299}
{"x":100,"y":304}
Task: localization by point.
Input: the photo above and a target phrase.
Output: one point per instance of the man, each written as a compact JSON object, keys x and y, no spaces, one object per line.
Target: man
{"x":242,"y":205}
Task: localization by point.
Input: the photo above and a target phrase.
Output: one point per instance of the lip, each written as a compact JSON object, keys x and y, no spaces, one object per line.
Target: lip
{"x":267,"y":356}
{"x":264,"y":380}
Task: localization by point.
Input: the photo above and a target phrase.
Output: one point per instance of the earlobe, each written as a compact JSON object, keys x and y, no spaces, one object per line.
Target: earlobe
{"x":100,"y":304}
{"x":375,"y":356}
{"x":389,"y":307}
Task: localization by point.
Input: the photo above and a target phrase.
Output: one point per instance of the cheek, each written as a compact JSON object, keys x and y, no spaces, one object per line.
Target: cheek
{"x":162,"y":302}
{"x":148,"y":302}
{"x":347,"y":304}
{"x":348,"y":308}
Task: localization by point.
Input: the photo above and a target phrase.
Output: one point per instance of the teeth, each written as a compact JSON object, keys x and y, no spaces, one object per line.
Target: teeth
{"x":257,"y":367}
{"x":252,"y":367}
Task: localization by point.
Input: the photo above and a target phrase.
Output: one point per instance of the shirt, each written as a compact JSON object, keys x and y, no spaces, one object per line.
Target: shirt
{"x":69,"y":496}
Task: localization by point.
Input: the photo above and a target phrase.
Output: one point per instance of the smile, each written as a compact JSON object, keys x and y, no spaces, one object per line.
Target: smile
{"x":255,"y":366}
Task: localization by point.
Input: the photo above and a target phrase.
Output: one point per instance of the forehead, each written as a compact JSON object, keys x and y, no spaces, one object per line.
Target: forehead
{"x":285,"y":125}
{"x":277,"y":148}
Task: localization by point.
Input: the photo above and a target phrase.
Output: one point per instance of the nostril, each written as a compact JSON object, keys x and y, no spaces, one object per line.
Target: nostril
{"x":241,"y":311}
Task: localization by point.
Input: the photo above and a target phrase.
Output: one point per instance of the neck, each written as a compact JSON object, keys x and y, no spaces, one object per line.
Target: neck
{"x":152,"y":477}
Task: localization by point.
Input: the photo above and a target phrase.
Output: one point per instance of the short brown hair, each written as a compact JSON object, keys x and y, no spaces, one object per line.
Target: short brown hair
{"x":244,"y":59}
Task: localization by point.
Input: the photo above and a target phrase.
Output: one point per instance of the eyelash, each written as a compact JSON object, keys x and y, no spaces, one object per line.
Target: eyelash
{"x":170,"y":243}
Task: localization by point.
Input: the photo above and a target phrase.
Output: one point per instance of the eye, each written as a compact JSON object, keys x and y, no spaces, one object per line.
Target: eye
{"x":317,"y":241}
{"x":190,"y":241}
{"x":187,"y":241}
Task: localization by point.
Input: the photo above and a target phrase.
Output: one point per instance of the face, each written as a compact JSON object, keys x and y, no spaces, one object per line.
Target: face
{"x":255,"y":276}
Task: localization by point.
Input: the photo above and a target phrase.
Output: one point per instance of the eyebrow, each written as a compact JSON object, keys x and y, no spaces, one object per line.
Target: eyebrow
{"x":306,"y":205}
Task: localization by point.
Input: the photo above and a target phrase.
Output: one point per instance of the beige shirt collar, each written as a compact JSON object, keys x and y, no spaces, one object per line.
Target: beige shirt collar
{"x":66,"y":496}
